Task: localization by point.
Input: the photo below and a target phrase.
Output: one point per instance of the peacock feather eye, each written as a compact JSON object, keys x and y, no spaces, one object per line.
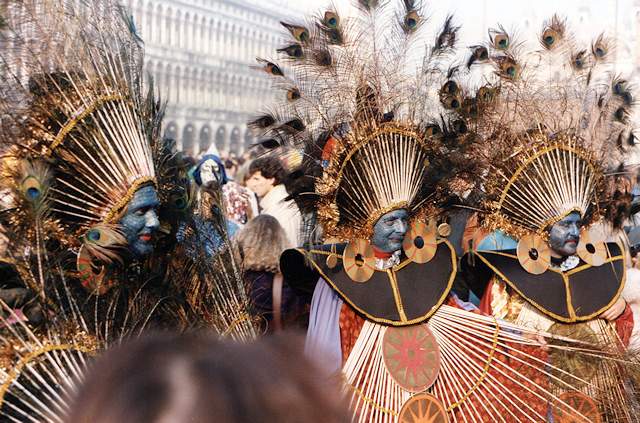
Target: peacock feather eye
{"x":460,"y":127}
{"x":94,"y":235}
{"x":450,"y":87}
{"x":452,"y":103}
{"x":33,"y":194}
{"x":300,"y":33}
{"x":411,"y":21}
{"x":549,"y":40}
{"x":432,"y":130}
{"x":331,"y":19}
{"x":293,"y":94}
{"x":32,"y":189}
{"x":501,"y":41}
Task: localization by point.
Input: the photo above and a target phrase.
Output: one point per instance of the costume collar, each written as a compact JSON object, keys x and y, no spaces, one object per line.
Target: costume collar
{"x":403,"y":294}
{"x":579,"y":294}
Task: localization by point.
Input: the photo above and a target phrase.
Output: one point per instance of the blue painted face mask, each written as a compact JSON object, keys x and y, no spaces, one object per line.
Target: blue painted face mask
{"x":140,"y":222}
{"x":389,"y":231}
{"x":564,"y":235}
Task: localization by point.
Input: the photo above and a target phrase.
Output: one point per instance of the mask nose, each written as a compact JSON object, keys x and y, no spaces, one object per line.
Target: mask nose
{"x":575,"y":230}
{"x":152,"y":222}
{"x":401,"y":226}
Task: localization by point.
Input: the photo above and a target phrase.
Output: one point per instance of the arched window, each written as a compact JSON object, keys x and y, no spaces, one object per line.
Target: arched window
{"x":171,"y":131}
{"x":178,"y":85}
{"x":178,"y":29}
{"x":147,"y":30}
{"x":166,"y":85}
{"x":186,"y":41}
{"x":211,"y":47}
{"x":205,"y":139}
{"x":195,"y":42}
{"x":188,"y":139}
{"x":221,"y":138}
{"x":168,"y":27}
{"x":158,"y":30}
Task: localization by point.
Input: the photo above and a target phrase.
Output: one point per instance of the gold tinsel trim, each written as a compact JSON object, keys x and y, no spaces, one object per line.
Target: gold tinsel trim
{"x":68,"y":127}
{"x":497,"y":219}
{"x":116,"y":212}
{"x":328,"y":188}
{"x":14,"y":373}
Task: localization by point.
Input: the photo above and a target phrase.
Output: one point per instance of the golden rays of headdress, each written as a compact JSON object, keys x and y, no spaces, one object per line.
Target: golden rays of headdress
{"x":556,"y":124}
{"x":72,"y":98}
{"x":364,"y":98}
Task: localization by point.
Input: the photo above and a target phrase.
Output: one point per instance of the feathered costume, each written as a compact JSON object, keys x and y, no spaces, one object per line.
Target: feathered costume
{"x":555,"y":125}
{"x":389,"y":137}
{"x":80,"y":137}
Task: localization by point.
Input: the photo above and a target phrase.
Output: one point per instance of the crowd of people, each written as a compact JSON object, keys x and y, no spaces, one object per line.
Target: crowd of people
{"x":416,"y":239}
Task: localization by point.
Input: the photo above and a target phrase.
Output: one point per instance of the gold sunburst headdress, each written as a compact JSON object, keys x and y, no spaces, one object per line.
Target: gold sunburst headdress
{"x":556,"y":126}
{"x":385,"y":126}
{"x":72,"y":100}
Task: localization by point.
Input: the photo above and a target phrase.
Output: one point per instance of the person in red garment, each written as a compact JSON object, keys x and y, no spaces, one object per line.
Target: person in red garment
{"x":553,"y":138}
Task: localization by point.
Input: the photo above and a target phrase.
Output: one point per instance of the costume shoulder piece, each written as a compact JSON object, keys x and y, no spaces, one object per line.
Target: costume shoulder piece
{"x":579,"y":294}
{"x":559,"y":141}
{"x":404,"y":294}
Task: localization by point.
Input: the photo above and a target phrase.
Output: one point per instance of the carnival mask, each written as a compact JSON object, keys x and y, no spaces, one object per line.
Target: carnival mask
{"x":211,"y":172}
{"x":140,"y":222}
{"x":564,"y":235}
{"x":389,"y":231}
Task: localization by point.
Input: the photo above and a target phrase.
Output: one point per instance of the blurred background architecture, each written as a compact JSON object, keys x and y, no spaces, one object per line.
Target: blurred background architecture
{"x":199,"y":51}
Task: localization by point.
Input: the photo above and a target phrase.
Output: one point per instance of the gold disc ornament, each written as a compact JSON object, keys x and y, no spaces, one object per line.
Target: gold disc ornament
{"x":332,"y":261}
{"x":423,"y":408}
{"x":591,"y":251}
{"x":575,"y":407}
{"x":412,"y":356}
{"x":420,"y":243}
{"x":534,"y":254}
{"x":359,"y":260}
{"x":444,"y":230}
{"x":568,"y":365}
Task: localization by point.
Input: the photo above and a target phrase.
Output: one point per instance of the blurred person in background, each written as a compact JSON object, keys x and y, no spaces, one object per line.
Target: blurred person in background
{"x":231,"y":165}
{"x":266,"y":180}
{"x":197,"y":378}
{"x":259,"y":246}
{"x":239,"y":202}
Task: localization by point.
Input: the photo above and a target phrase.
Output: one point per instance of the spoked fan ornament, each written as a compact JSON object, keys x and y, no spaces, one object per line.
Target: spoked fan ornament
{"x":423,"y":408}
{"x":412,"y":356}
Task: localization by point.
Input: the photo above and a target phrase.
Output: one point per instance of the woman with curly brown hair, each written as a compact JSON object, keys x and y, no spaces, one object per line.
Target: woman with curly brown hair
{"x":260,"y":244}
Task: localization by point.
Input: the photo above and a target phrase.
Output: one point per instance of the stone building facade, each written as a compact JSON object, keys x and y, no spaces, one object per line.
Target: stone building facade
{"x":199,"y":53}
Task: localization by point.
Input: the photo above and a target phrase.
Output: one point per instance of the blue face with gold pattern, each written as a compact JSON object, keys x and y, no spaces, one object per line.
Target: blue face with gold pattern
{"x":564,"y":235}
{"x":389,"y":231}
{"x":140,"y":221}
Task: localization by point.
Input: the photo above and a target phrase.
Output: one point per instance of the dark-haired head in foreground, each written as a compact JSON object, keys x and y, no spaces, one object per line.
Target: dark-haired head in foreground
{"x":197,"y":378}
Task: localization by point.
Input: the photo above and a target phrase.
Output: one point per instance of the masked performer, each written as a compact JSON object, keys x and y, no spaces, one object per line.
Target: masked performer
{"x":97,"y":199}
{"x":393,"y":145}
{"x":555,"y":126}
